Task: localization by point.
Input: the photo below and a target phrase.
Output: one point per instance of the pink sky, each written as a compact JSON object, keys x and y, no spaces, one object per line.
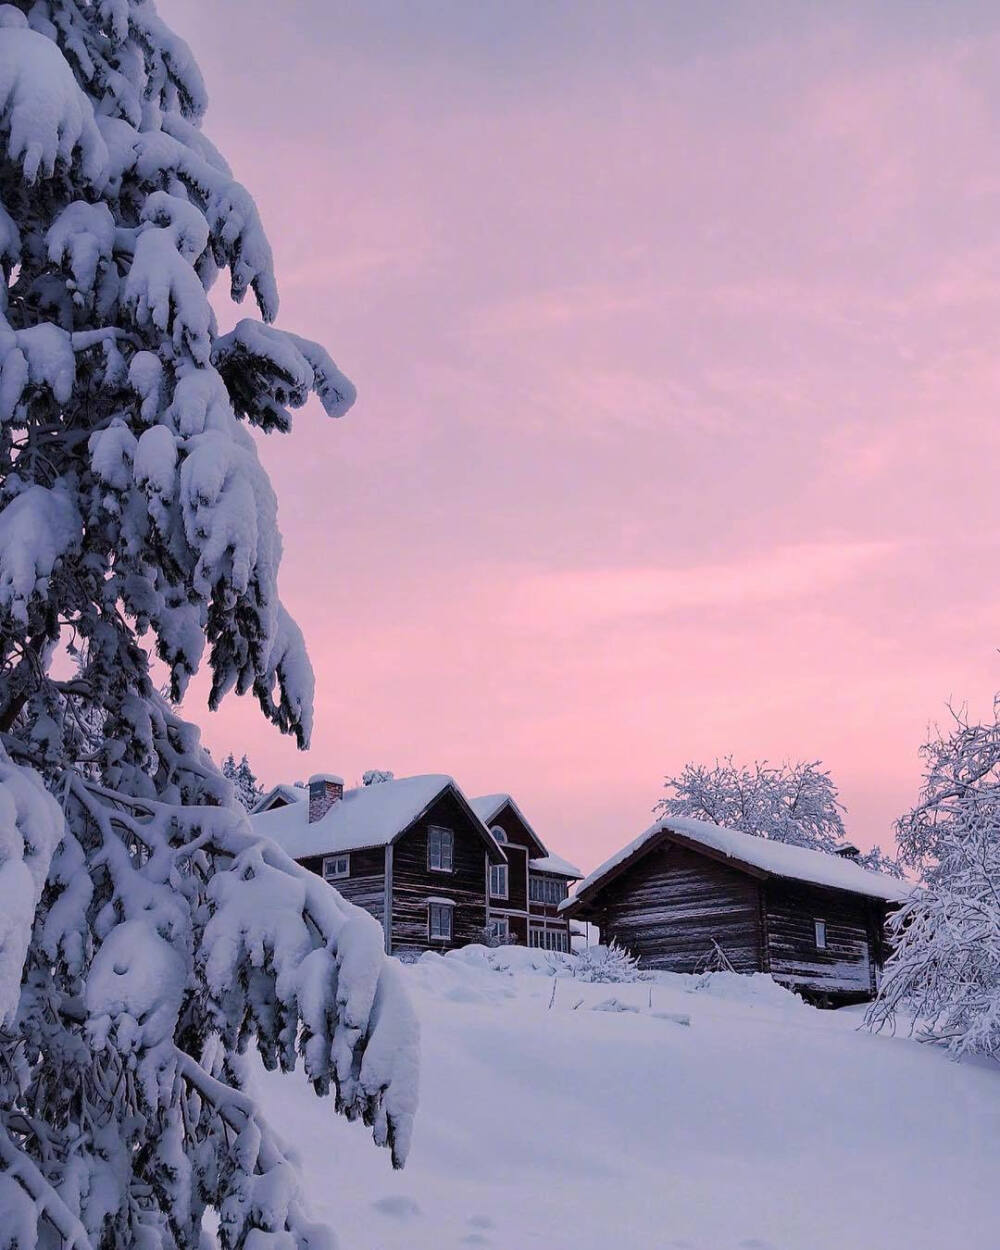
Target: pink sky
{"x":674,"y":330}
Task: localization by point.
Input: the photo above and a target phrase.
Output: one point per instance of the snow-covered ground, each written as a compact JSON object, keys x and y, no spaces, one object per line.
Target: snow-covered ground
{"x":762,"y":1124}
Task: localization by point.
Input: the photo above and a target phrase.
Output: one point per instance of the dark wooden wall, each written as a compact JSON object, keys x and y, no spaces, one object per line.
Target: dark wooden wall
{"x":669,"y":906}
{"x":516,"y":831}
{"x":366,"y":884}
{"x":517,"y":880}
{"x":414,"y":882}
{"x":853,"y":933}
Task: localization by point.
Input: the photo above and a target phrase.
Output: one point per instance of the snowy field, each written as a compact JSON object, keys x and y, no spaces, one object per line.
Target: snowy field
{"x":763,"y":1124}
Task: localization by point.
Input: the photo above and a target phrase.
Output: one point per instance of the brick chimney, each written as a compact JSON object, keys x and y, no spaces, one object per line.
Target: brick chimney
{"x":325,"y":789}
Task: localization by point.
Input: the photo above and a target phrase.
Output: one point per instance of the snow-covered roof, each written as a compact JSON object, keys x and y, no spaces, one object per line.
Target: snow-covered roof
{"x":777,"y":859}
{"x":369,"y":816}
{"x":486,"y":806}
{"x":555,"y":864}
{"x":291,"y":794}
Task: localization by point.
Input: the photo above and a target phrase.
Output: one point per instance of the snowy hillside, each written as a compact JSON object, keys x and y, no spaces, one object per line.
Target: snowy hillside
{"x":763,"y":1124}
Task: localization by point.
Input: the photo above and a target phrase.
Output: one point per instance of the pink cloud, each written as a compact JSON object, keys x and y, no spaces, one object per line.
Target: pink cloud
{"x":678,"y":390}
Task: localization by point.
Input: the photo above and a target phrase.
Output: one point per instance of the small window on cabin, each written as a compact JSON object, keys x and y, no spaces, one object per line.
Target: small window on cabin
{"x":439,"y":917}
{"x":498,"y":833}
{"x":498,"y":880}
{"x":336,"y":866}
{"x":820,"y":926}
{"x":440,"y":849}
{"x":499,"y":928}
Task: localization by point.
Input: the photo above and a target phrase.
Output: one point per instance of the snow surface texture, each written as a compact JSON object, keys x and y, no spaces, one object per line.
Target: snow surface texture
{"x":367,"y":816}
{"x":763,"y":1124}
{"x":778,"y":858}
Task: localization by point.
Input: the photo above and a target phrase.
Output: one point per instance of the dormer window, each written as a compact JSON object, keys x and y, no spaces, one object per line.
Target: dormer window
{"x":440,"y":849}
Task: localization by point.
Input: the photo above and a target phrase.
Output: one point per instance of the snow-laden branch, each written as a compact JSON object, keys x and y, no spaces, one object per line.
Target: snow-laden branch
{"x":944,"y":974}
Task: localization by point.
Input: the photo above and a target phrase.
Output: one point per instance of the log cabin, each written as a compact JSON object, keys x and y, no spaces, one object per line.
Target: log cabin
{"x":687,"y":895}
{"x":411,"y":851}
{"x":525,"y":893}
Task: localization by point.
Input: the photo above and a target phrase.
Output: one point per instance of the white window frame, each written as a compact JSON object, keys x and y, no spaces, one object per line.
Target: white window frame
{"x":546,"y":891}
{"x":541,"y":937}
{"x":445,"y":841}
{"x":443,"y":909}
{"x":336,"y":867}
{"x":499,"y":835}
{"x":499,"y":927}
{"x":820,"y":934}
{"x":503,"y":875}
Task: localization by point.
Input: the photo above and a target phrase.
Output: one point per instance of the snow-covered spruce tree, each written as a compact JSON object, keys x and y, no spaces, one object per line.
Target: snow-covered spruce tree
{"x":147,"y":938}
{"x":247,"y":788}
{"x":796,"y":803}
{"x":377,"y":776}
{"x":945,"y":969}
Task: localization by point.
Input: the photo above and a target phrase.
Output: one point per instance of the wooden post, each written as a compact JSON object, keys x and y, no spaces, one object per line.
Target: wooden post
{"x":387,"y":901}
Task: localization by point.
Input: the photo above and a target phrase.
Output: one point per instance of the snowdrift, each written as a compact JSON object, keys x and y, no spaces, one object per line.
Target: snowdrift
{"x":550,"y":1119}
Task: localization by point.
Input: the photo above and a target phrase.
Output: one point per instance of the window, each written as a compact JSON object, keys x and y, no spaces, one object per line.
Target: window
{"x":439,"y":921}
{"x":820,"y":926}
{"x":440,"y":849}
{"x":335,"y":866}
{"x":549,"y":890}
{"x":498,"y":880}
{"x":498,"y":928}
{"x":549,"y":939}
{"x":498,"y":834}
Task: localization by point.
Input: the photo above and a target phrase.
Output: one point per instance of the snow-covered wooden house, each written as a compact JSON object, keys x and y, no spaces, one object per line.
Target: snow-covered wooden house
{"x":411,"y":851}
{"x":687,"y":895}
{"x":525,"y":893}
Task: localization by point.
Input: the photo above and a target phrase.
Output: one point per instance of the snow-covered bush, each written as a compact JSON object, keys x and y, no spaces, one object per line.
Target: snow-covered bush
{"x":945,"y":969}
{"x":376,"y":776}
{"x":147,"y":937}
{"x":609,"y":964}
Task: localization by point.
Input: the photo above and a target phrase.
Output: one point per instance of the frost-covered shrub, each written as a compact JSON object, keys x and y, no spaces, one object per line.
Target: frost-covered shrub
{"x":944,"y":970}
{"x":147,"y":937}
{"x":377,"y":776}
{"x":607,"y":964}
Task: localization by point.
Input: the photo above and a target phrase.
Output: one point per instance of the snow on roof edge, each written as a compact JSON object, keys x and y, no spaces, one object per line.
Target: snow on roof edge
{"x":481,"y":805}
{"x":366,"y":817}
{"x":778,"y":859}
{"x":555,"y":864}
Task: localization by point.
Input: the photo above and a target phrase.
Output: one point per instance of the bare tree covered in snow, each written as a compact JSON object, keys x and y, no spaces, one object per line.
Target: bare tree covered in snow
{"x":945,"y":969}
{"x":877,"y":860}
{"x":245,"y":784}
{"x":796,"y":803}
{"x":147,"y":937}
